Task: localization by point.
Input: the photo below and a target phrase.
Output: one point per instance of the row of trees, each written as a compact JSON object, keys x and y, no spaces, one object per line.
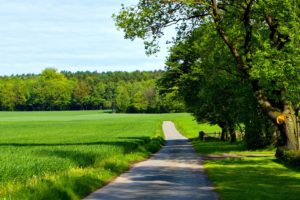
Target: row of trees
{"x":53,"y":90}
{"x":234,"y":61}
{"x":214,"y":94}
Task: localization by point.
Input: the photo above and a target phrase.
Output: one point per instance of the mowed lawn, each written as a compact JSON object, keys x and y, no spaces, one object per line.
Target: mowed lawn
{"x":66,"y":155}
{"x":245,"y":178}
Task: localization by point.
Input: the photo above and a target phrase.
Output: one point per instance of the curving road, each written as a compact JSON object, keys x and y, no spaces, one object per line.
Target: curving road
{"x":174,"y":173}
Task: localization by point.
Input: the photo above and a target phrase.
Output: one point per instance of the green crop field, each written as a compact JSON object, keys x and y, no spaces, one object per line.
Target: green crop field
{"x":66,"y":155}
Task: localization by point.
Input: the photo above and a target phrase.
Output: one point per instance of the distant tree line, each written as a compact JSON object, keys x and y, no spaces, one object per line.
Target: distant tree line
{"x":132,"y":92}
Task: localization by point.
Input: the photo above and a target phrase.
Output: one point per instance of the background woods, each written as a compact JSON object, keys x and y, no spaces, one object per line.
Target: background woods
{"x":118,"y":91}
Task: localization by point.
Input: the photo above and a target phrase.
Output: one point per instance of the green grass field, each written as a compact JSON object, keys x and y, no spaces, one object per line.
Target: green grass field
{"x":66,"y":155}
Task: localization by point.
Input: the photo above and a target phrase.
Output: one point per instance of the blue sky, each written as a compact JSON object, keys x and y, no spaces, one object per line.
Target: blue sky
{"x":74,"y":35}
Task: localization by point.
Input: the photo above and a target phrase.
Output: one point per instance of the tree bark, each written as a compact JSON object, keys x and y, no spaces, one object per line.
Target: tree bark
{"x":224,"y":134}
{"x":289,"y":127}
{"x":232,"y":134}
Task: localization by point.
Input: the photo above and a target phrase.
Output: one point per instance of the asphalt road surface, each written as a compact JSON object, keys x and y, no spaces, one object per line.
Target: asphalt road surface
{"x":174,"y":173}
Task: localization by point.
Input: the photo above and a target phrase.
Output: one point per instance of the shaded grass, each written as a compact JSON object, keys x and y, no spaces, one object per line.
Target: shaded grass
{"x":247,"y":178}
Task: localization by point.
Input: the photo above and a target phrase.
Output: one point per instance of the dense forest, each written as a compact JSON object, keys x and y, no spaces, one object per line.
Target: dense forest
{"x":130,"y":92}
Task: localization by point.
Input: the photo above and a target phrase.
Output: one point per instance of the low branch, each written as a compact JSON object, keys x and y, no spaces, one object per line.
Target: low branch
{"x":248,"y":31}
{"x":264,"y":103}
{"x":278,"y":40}
{"x":195,"y":2}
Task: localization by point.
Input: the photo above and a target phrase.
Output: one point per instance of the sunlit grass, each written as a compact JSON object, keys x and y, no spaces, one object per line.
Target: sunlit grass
{"x":187,"y":125}
{"x":253,"y":178}
{"x":66,"y":155}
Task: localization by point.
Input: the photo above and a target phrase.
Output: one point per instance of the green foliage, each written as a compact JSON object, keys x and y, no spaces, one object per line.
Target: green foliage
{"x":53,"y":90}
{"x":210,"y":88}
{"x":173,"y":102}
{"x":262,"y":36}
{"x":8,"y":96}
{"x":80,"y":94}
{"x":122,"y":98}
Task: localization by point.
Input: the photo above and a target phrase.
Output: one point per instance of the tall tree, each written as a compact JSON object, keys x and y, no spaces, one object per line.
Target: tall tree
{"x":52,"y":91}
{"x":8,"y":96}
{"x":122,"y":97}
{"x":211,"y":93}
{"x":97,"y":96}
{"x":81,"y":95}
{"x":21,"y":94}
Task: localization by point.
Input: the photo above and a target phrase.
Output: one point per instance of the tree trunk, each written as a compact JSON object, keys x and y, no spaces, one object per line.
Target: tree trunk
{"x":232,"y":134}
{"x":289,"y":128}
{"x":297,"y":127}
{"x":224,"y":134}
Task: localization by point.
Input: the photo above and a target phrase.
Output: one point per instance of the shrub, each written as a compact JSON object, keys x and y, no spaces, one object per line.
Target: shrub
{"x":291,"y":157}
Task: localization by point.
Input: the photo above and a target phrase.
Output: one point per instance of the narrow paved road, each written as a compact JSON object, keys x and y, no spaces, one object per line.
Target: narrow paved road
{"x":174,"y":173}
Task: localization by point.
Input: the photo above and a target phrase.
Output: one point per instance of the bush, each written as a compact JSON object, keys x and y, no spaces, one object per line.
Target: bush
{"x":291,"y":157}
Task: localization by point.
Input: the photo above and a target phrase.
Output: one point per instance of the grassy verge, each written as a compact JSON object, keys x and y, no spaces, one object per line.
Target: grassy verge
{"x":244,"y":178}
{"x":67,"y":155}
